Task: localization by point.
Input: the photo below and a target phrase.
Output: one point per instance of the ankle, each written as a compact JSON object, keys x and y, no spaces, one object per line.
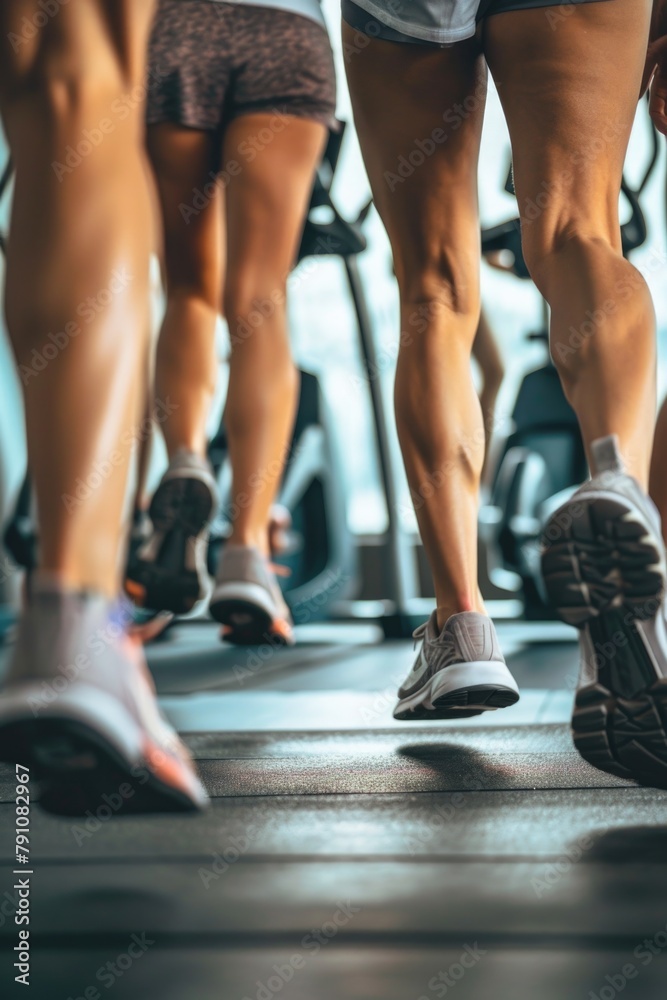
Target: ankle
{"x":68,"y":580}
{"x":190,"y":447}
{"x":250,"y":539}
{"x":445,"y":611}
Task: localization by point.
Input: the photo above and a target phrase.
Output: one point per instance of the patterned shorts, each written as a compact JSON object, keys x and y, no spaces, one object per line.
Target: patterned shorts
{"x":210,"y":62}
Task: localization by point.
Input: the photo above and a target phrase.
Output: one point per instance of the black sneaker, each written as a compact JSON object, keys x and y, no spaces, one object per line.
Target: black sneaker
{"x":168,"y":570}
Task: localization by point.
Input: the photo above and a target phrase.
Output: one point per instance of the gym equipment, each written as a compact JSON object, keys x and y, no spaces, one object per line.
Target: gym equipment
{"x":7,"y":613}
{"x":542,"y":461}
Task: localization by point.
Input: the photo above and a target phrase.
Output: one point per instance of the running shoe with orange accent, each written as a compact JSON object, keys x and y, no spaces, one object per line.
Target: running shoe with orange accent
{"x":167,"y":570}
{"x":247,"y":599}
{"x":78,"y":708}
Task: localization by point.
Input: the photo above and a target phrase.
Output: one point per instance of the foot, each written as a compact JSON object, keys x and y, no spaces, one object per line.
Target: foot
{"x":459,"y":672}
{"x":168,"y":571}
{"x":604,"y":568}
{"x":247,"y":599}
{"x":78,"y":708}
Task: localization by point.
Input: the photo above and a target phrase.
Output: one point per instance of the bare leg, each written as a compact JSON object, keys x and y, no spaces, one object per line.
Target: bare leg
{"x":77,"y":312}
{"x":399,"y":92}
{"x":568,"y":160}
{"x":186,"y":369}
{"x":84,"y":280}
{"x":487,"y":355}
{"x":266,"y":206}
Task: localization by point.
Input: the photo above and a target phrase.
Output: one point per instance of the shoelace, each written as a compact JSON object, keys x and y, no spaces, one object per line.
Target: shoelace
{"x":446,"y":642}
{"x":419,"y":633}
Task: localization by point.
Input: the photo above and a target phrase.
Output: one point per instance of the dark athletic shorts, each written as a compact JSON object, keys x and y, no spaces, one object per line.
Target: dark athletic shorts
{"x":424,"y":23}
{"x":210,"y":62}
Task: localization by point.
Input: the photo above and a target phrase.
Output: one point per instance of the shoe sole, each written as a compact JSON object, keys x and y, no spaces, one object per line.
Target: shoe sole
{"x":619,"y":724}
{"x":248,"y":620}
{"x":180,"y":511}
{"x":84,"y":744}
{"x":79,"y":770}
{"x":440,"y":699}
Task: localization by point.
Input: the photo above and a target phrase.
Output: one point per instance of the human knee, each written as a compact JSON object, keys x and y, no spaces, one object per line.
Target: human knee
{"x":545,"y":245}
{"x":252,"y":307}
{"x":438,"y":290}
{"x":190,"y":277}
{"x":435,"y":312}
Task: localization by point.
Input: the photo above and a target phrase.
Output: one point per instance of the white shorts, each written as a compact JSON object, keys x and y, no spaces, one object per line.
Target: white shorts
{"x":443,"y":22}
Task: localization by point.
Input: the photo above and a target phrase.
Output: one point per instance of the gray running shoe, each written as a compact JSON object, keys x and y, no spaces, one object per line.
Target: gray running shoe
{"x":603,"y":563}
{"x":248,"y":601}
{"x":168,"y":571}
{"x":459,"y":672}
{"x":78,"y":708}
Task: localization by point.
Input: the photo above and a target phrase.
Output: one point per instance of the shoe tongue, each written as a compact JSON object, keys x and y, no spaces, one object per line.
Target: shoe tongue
{"x":606,"y":455}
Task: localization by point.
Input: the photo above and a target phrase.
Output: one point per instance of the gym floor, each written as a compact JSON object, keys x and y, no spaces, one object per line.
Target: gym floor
{"x":348,"y":855}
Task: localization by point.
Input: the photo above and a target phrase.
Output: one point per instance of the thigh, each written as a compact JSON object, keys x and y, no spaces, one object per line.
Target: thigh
{"x":73,"y":39}
{"x":190,"y":195}
{"x":419,"y":112}
{"x":271,"y":162}
{"x":569,"y":93}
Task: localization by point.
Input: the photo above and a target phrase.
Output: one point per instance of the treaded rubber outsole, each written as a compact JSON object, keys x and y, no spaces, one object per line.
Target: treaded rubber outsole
{"x":180,"y":510}
{"x":624,"y":736}
{"x":604,"y":571}
{"x":76,"y":767}
{"x":599,"y":556}
{"x":462,"y":704}
{"x":245,"y":623}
